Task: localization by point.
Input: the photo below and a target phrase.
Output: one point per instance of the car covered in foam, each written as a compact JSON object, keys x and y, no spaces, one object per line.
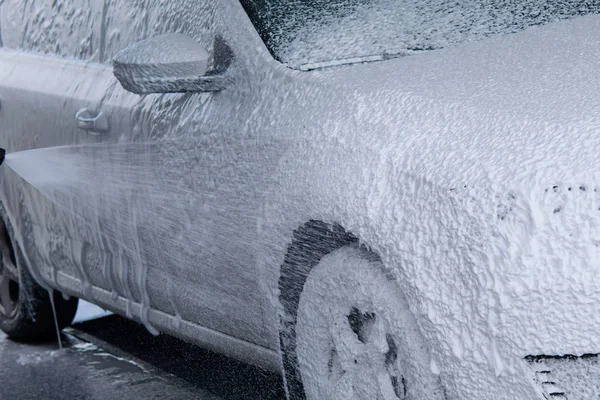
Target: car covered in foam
{"x":379,"y":200}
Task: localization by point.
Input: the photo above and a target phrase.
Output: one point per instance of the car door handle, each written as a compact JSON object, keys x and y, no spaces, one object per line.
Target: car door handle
{"x":92,"y":123}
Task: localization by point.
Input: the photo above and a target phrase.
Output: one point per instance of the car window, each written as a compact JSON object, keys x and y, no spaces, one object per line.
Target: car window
{"x":64,"y":28}
{"x":129,"y":21}
{"x":301,"y":32}
{"x":97,"y":30}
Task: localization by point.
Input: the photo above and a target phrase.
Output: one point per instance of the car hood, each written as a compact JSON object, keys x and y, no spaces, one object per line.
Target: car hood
{"x":523,"y":107}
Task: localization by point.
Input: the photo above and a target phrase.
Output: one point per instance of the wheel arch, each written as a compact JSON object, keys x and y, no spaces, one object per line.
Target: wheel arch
{"x":15,"y":238}
{"x":310,"y":242}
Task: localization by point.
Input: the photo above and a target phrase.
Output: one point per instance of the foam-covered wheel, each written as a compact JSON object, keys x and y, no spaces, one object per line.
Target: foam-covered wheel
{"x":25,"y":307}
{"x":355,"y":337}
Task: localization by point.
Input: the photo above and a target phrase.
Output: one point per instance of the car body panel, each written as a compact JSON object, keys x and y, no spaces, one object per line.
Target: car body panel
{"x":178,"y":282}
{"x":439,"y":162}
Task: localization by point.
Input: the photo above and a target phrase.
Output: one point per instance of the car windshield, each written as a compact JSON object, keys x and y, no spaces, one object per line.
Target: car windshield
{"x":306,"y":34}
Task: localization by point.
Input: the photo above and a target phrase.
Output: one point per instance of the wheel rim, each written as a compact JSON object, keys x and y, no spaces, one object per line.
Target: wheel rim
{"x":363,"y":361}
{"x":356,"y":338}
{"x":9,"y":276}
{"x":362,"y":358}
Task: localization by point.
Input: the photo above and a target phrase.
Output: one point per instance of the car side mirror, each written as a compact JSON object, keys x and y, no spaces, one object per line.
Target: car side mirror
{"x":172,"y":63}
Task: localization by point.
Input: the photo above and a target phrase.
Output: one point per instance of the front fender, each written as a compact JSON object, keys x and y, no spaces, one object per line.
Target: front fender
{"x":437,"y":241}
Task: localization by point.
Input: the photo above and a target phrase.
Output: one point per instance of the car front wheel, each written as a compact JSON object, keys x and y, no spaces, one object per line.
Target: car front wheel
{"x":355,"y":335}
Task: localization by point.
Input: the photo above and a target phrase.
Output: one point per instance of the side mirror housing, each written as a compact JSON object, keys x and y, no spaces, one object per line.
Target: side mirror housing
{"x":172,"y":63}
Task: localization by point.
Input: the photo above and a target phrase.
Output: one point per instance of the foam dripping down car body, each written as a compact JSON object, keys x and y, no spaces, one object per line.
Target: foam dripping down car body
{"x":373,"y":217}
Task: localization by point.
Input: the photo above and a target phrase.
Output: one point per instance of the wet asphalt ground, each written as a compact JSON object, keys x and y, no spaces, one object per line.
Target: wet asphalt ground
{"x":114,"y":358}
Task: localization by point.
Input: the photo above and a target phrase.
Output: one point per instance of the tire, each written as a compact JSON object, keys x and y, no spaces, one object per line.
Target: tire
{"x":25,"y":307}
{"x":355,"y":337}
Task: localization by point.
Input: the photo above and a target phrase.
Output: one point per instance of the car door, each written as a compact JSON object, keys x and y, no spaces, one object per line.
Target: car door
{"x":186,"y":202}
{"x":163,"y":217}
{"x":51,"y":89}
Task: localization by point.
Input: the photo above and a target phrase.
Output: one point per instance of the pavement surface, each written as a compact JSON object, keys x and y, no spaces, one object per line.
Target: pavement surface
{"x":114,"y":358}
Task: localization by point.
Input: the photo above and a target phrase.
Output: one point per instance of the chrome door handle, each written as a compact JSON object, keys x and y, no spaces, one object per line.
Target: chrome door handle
{"x":92,"y":124}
